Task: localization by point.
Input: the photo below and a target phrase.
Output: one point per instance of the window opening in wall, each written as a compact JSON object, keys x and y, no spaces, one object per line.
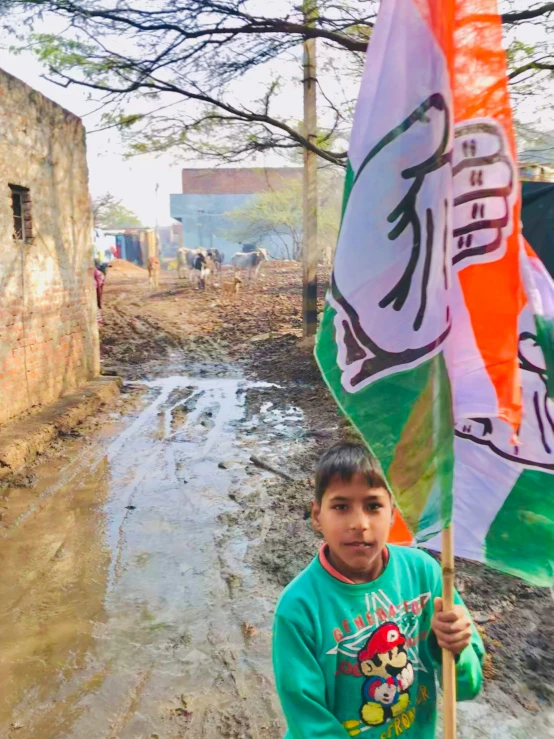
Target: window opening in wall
{"x":22,"y":218}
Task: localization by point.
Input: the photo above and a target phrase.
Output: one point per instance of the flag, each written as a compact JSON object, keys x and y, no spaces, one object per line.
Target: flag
{"x":504,"y":486}
{"x":420,"y":329}
{"x":541,"y":303}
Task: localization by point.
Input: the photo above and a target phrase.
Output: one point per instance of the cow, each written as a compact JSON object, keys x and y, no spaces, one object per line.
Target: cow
{"x":185,"y":260}
{"x":251,"y":262}
{"x":153,"y":272}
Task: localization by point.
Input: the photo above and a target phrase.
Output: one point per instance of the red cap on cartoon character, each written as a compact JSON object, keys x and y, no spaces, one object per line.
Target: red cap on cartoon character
{"x":383,"y":640}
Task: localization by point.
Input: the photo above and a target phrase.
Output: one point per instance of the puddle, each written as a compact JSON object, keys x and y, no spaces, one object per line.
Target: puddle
{"x":126,"y":595}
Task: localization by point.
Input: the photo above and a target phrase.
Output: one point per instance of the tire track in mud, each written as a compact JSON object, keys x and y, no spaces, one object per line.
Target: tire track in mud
{"x":198,"y":434}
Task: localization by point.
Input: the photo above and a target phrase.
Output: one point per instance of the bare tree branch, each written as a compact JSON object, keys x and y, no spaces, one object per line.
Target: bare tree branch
{"x":526,"y":15}
{"x":534,"y":65}
{"x":242,"y":115}
{"x":195,"y":49}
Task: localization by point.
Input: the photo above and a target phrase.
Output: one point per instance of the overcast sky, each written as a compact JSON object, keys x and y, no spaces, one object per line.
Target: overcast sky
{"x":134,"y":180}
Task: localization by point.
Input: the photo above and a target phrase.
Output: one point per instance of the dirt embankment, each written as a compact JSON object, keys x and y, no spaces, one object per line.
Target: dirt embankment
{"x":259,"y":330}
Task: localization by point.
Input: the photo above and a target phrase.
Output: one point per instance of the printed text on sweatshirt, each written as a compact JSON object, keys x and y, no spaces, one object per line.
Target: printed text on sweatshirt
{"x":361,"y":660}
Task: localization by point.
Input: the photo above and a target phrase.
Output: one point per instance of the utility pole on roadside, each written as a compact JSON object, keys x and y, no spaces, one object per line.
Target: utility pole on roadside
{"x":157,"y":250}
{"x":309,"y":231}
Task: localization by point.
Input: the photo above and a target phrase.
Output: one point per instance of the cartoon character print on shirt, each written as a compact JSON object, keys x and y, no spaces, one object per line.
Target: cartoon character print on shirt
{"x":388,"y":674}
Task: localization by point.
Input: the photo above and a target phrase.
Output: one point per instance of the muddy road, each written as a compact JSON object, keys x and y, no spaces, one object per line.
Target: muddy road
{"x":128,"y":610}
{"x":142,"y":558}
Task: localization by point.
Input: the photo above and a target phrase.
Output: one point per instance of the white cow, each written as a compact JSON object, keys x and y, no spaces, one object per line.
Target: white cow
{"x":184,"y":261}
{"x":251,"y":262}
{"x":187,"y":262}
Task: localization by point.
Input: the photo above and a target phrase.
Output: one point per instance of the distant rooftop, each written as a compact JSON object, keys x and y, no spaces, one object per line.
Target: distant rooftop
{"x":237,"y":180}
{"x":535,"y":147}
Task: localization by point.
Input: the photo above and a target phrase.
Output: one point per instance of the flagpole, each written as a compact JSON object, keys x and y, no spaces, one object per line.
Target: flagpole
{"x":448,"y":663}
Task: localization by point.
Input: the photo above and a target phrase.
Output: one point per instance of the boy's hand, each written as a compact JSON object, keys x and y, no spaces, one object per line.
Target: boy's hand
{"x":452,"y":628}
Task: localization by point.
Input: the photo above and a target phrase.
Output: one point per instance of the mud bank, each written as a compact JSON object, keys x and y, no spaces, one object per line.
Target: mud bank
{"x":22,"y":439}
{"x":515,"y":620}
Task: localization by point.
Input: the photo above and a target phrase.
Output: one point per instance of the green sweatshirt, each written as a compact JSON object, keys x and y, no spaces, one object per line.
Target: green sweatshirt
{"x":361,"y":660}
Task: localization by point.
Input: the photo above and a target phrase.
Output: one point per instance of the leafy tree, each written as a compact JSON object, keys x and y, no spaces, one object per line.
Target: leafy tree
{"x":111,"y":213}
{"x":192,"y":51}
{"x":273,"y":215}
{"x":277,"y":215}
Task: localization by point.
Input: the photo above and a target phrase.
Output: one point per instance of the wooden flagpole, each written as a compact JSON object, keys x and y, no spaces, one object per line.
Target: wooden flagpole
{"x":448,"y":663}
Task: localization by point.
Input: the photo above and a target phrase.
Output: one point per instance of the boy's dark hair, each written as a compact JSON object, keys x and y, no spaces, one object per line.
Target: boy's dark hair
{"x":345,"y":460}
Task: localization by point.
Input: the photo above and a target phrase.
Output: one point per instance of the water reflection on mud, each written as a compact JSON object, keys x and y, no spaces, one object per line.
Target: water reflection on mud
{"x":54,"y":574}
{"x":124,"y":596}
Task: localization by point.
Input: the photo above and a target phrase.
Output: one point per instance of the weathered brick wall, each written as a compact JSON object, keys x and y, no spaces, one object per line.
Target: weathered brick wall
{"x":48,"y":328}
{"x":237,"y":180}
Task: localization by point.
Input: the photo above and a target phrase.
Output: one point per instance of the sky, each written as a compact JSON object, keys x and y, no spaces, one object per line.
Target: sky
{"x":134,"y":180}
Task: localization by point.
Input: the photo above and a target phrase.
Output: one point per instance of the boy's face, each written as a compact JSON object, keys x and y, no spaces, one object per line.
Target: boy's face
{"x":355,"y":521}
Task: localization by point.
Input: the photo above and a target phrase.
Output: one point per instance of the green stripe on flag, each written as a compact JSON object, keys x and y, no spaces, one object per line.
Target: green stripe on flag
{"x":406,"y":420}
{"x":348,"y":182}
{"x":545,"y":339}
{"x":520,"y":541}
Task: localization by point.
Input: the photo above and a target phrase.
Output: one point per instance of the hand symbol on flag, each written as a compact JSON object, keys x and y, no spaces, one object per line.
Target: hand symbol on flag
{"x":483,"y":192}
{"x":390,"y":282}
{"x":535,"y":443}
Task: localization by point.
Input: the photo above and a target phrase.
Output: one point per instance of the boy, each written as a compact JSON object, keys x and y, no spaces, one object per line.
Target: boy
{"x":199,"y":265}
{"x":358,"y":633}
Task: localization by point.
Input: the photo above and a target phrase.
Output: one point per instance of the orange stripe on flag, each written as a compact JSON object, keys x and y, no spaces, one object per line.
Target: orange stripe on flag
{"x":470,"y":35}
{"x":400,"y":533}
{"x":493,"y":292}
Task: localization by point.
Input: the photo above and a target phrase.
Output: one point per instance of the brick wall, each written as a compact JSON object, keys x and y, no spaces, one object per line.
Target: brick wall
{"x":48,"y":328}
{"x":237,"y":181}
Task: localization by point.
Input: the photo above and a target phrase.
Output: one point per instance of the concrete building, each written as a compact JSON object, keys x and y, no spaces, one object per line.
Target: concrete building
{"x":48,"y":322}
{"x":535,"y":154}
{"x":210,"y":195}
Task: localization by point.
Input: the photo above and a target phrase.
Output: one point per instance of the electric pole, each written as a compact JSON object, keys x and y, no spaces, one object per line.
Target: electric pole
{"x":309,"y":231}
{"x":157,"y":249}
